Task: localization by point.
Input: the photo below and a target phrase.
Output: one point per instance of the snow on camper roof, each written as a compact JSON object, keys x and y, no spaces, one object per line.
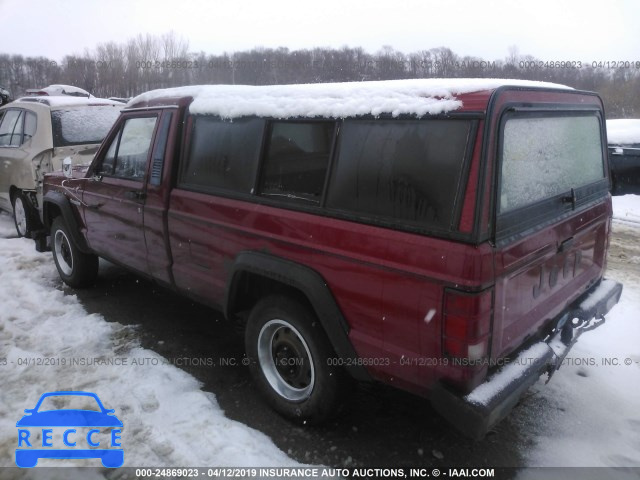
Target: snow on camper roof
{"x":334,"y":100}
{"x":623,"y":132}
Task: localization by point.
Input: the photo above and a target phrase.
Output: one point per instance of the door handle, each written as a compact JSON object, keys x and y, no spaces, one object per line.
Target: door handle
{"x":135,"y":195}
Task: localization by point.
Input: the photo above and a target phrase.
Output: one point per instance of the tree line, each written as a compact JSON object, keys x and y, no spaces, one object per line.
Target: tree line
{"x":148,"y":62}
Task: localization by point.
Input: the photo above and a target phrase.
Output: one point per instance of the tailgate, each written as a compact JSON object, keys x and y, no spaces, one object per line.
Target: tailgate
{"x":540,"y":275}
{"x":552,"y":215}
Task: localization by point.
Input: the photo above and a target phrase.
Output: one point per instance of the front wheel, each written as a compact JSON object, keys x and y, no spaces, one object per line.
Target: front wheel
{"x":76,"y":268}
{"x":290,"y":359}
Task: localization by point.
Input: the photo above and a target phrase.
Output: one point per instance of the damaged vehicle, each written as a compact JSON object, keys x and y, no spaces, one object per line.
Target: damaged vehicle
{"x":36,"y":134}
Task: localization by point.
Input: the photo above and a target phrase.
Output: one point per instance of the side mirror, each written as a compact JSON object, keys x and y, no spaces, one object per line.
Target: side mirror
{"x":66,"y":167}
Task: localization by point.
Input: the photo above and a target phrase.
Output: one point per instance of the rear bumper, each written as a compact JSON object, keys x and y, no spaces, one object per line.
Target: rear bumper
{"x":475,"y":413}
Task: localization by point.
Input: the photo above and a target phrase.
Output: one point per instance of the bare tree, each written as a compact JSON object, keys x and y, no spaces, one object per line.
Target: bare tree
{"x":147,"y":62}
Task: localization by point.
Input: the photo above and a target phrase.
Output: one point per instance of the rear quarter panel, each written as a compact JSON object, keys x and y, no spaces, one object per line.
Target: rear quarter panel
{"x":385,"y":282}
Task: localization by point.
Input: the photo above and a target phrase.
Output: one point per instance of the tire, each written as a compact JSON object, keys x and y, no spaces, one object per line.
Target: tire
{"x":303,"y":386}
{"x":23,"y":215}
{"x":77,"y":269}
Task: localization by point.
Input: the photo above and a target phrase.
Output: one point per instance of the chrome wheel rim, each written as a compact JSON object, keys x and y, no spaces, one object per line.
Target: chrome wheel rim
{"x":64,"y":255}
{"x":20,"y":215}
{"x":285,"y":360}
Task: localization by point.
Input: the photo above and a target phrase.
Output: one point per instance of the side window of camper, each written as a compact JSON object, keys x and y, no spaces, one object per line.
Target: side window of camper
{"x":295,"y":164}
{"x":223,"y":154}
{"x":400,"y":171}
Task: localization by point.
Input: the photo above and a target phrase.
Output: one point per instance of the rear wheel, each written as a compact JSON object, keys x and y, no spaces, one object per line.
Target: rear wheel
{"x":23,"y":215}
{"x":76,"y":268}
{"x":290,"y":359}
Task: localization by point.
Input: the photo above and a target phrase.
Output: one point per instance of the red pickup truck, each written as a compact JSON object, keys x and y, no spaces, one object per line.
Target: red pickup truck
{"x":447,"y":237}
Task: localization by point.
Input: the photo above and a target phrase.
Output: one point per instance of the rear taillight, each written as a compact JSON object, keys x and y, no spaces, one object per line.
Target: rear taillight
{"x":467,"y":324}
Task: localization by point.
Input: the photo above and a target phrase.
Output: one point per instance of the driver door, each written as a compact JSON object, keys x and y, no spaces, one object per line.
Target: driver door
{"x":113,"y":201}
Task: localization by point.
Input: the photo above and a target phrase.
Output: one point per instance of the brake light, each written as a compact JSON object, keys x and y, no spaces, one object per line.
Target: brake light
{"x":467,"y":323}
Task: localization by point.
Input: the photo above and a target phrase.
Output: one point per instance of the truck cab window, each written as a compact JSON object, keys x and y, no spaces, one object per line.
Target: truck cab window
{"x":128,"y":153}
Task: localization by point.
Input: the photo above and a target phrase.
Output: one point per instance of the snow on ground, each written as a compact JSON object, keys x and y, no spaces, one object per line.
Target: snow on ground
{"x":592,"y":415}
{"x":596,"y":421}
{"x":168,"y":420}
{"x":626,"y":209}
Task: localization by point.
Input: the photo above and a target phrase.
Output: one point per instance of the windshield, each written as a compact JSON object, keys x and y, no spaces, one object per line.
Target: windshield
{"x":77,"y":126}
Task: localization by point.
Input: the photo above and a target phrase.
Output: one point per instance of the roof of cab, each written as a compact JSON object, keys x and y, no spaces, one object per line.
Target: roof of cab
{"x":417,"y":97}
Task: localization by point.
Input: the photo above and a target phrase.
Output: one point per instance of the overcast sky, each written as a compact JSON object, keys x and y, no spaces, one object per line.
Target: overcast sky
{"x":584,"y":30}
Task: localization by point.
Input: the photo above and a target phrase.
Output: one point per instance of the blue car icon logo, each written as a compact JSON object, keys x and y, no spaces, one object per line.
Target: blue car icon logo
{"x":52,"y":424}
